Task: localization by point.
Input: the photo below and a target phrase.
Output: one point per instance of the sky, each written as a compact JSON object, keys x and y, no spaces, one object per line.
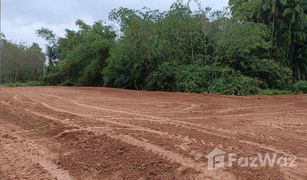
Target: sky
{"x":20,"y":18}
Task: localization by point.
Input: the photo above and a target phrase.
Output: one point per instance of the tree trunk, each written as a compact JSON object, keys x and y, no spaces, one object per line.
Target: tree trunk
{"x":294,"y":65}
{"x":16,"y":76}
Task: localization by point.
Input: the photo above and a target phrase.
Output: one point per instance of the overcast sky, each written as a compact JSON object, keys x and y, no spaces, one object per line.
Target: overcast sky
{"x":20,"y":18}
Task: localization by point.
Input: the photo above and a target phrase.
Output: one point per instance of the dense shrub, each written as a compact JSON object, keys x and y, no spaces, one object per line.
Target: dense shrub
{"x":20,"y":62}
{"x":240,"y":85}
{"x":272,"y":74}
{"x":182,"y":50}
{"x":185,"y":78}
{"x":82,"y":55}
{"x":67,"y":83}
{"x":192,"y":79}
{"x":197,"y":78}
{"x":273,"y":92}
{"x":91,"y":75}
{"x":54,"y":79}
{"x":164,"y":78}
{"x":118,"y":73}
{"x":300,"y":86}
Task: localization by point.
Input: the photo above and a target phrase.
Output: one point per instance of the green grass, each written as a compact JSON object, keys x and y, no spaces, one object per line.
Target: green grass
{"x":21,"y":84}
{"x":269,"y":92}
{"x":274,"y":92}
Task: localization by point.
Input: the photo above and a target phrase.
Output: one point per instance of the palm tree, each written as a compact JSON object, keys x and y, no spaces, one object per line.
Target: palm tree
{"x":272,"y":10}
{"x":287,"y":19}
{"x":52,"y":54}
{"x":295,"y":20}
{"x":52,"y":51}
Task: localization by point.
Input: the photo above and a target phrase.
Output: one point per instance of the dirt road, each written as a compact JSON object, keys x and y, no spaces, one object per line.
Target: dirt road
{"x":98,"y":133}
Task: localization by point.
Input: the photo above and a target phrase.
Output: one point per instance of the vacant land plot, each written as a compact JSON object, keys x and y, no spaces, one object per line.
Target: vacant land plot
{"x":98,"y":133}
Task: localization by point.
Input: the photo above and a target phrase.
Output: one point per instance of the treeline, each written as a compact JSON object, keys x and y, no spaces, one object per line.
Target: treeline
{"x":20,"y":62}
{"x":252,"y":46}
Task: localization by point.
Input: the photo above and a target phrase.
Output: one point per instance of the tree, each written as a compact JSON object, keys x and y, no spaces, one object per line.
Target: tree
{"x":52,"y":50}
{"x":83,"y":54}
{"x":256,"y":44}
{"x":287,"y":22}
{"x":21,"y":62}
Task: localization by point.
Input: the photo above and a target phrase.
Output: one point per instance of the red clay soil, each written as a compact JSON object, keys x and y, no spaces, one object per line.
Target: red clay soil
{"x":99,"y":133}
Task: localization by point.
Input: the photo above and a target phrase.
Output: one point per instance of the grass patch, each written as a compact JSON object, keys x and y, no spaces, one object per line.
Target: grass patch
{"x":300,"y":87}
{"x":22,"y":84}
{"x":274,"y":92}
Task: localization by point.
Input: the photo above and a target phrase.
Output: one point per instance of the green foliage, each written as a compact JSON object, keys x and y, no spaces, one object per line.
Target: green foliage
{"x":185,"y":78}
{"x":287,"y":23}
{"x":20,"y":62}
{"x":67,"y":83}
{"x":300,"y":86}
{"x":47,"y":34}
{"x":197,"y":78}
{"x":164,"y":78}
{"x":91,"y":75}
{"x":272,"y":74}
{"x":245,"y":9}
{"x":239,"y":85}
{"x":261,"y":48}
{"x":52,"y":49}
{"x":54,"y":76}
{"x":20,"y":84}
{"x":83,"y":55}
{"x":191,"y":79}
{"x":118,"y":72}
{"x":274,"y":92}
{"x":242,"y":43}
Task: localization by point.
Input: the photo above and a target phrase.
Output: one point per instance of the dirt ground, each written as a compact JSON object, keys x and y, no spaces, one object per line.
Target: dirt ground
{"x":98,"y":133}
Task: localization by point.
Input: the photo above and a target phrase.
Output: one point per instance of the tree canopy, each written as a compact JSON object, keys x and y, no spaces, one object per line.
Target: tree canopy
{"x":20,"y":62}
{"x":252,"y":45}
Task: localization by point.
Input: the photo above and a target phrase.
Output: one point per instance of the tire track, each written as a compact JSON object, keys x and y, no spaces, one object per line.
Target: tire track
{"x":171,"y":156}
{"x":154,"y":119}
{"x":182,"y":124}
{"x":168,"y":155}
{"x":4,"y":103}
{"x":151,"y":122}
{"x":30,"y":160}
{"x":185,"y":139}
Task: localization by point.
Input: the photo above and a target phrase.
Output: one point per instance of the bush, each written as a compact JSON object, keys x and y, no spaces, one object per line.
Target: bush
{"x":191,"y":78}
{"x":163,"y":78}
{"x":35,"y":83}
{"x":184,"y":78}
{"x":273,"y":92}
{"x":198,"y":78}
{"x":91,"y":75}
{"x":240,"y":85}
{"x":54,"y":76}
{"x":54,"y":79}
{"x":67,"y":83}
{"x":272,"y":74}
{"x":300,"y":86}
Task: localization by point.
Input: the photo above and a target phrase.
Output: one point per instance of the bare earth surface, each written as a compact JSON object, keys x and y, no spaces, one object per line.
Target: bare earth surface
{"x":98,"y":133}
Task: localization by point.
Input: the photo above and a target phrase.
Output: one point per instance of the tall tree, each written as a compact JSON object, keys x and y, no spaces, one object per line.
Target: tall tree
{"x":21,"y":62}
{"x":287,"y":21}
{"x":52,"y":49}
